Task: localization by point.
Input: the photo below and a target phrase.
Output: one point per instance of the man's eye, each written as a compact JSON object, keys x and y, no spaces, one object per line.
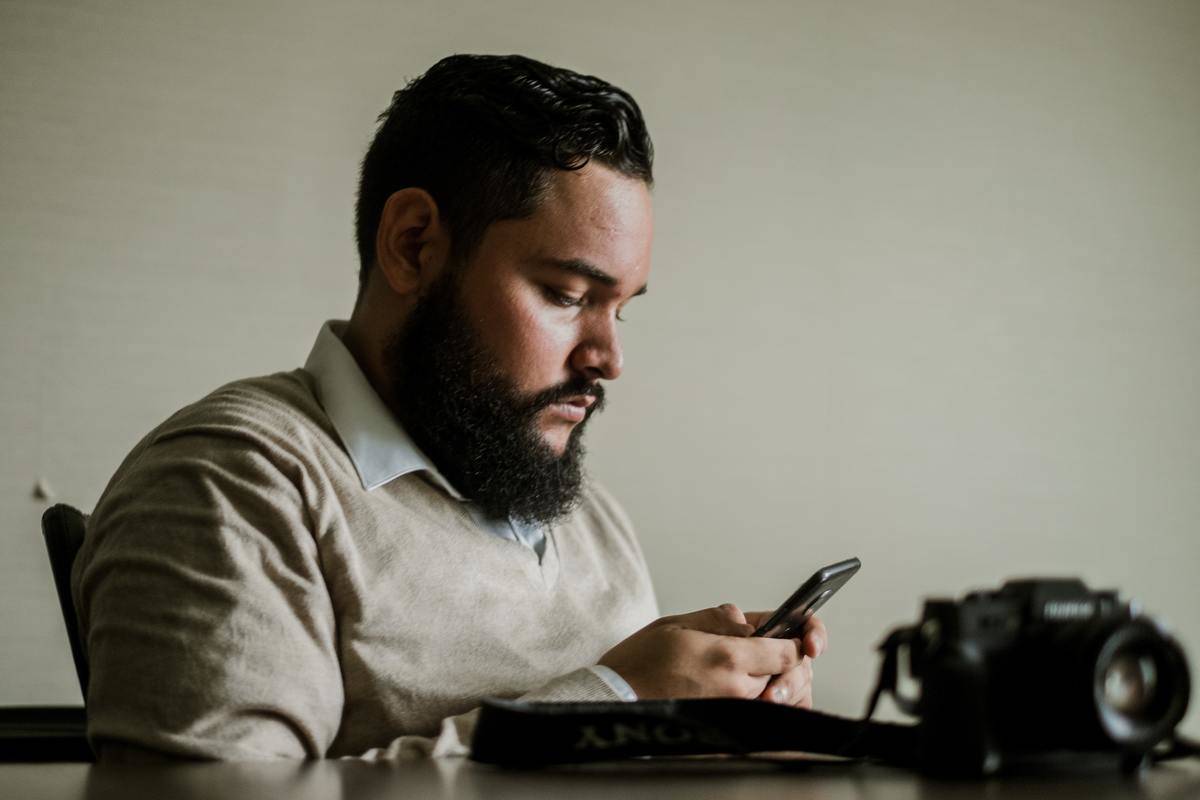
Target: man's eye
{"x":564,"y":300}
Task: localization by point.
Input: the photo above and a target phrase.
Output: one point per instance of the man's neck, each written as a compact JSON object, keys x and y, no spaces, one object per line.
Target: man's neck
{"x":367,"y":343}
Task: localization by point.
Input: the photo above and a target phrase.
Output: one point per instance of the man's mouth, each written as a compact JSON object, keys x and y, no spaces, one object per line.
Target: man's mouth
{"x":573,"y":409}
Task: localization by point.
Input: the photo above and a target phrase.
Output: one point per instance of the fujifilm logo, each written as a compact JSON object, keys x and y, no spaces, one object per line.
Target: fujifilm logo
{"x":1068,"y":609}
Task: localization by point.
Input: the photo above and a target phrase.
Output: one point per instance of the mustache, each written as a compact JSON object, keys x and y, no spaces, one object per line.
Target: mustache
{"x":576,"y":387}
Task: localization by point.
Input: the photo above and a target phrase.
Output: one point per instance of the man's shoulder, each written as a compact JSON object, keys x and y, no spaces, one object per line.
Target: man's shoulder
{"x":273,"y":416}
{"x":281,"y":407}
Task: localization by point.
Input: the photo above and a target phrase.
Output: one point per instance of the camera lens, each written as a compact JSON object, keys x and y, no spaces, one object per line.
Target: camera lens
{"x":1130,"y":683}
{"x":1141,"y":684}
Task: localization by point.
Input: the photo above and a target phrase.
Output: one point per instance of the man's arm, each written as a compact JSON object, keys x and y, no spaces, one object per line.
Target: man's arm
{"x":453,"y":738}
{"x":208,"y":627}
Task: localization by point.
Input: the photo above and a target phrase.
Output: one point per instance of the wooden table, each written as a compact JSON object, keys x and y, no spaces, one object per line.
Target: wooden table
{"x":661,"y":780}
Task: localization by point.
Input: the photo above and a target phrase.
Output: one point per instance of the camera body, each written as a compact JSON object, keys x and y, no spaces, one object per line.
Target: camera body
{"x":1037,"y":669}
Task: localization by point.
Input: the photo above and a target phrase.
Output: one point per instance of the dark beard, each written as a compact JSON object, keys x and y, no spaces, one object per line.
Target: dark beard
{"x":468,"y":417}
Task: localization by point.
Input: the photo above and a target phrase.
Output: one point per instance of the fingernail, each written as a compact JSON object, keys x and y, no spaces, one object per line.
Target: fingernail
{"x":780,"y":694}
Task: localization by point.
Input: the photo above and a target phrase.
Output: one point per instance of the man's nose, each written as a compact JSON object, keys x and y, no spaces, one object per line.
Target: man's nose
{"x":598,"y":355}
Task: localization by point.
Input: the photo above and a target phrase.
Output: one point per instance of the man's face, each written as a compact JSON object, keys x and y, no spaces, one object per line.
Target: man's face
{"x":499,"y":365}
{"x":544,"y":293}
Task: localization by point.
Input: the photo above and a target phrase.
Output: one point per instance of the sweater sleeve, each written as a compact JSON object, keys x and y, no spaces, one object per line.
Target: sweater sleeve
{"x":208,"y":627}
{"x":454,"y":736}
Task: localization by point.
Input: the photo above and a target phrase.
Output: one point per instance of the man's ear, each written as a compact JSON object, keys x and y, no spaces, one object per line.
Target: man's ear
{"x":411,"y":242}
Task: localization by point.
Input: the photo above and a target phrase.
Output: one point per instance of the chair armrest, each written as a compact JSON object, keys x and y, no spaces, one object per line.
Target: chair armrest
{"x":44,"y":733}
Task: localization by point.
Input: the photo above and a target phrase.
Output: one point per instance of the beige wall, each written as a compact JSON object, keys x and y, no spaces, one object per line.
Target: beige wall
{"x":927,"y":282}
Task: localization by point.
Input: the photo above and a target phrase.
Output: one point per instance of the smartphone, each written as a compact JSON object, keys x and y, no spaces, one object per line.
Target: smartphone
{"x":789,"y":619}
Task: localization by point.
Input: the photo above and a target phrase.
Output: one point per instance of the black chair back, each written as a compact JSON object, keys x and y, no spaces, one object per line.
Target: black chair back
{"x":62,"y":528}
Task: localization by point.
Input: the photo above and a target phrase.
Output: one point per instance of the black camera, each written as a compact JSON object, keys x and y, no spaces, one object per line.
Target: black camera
{"x":1035,"y":671}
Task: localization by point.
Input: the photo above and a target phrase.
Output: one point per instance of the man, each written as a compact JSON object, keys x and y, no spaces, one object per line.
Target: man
{"x":343,"y":560}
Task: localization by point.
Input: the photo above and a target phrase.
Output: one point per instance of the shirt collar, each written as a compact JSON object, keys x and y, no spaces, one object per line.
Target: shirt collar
{"x":377,"y":443}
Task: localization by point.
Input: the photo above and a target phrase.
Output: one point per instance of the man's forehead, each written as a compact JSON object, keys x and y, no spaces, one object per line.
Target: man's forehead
{"x":598,"y":193}
{"x":594,"y":217}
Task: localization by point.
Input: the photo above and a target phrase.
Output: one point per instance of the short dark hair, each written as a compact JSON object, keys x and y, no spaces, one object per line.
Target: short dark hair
{"x":481,"y":133}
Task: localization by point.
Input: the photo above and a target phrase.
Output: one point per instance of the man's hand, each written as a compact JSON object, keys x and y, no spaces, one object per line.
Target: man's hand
{"x":794,"y":688}
{"x":710,"y":653}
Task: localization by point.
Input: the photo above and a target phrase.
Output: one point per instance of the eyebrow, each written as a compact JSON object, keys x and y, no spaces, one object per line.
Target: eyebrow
{"x":588,"y":270}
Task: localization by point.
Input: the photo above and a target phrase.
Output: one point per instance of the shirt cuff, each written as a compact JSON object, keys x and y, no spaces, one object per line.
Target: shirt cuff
{"x":615,"y":682}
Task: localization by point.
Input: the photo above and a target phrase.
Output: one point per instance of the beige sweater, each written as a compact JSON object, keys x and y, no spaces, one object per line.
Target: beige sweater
{"x":241,"y":596}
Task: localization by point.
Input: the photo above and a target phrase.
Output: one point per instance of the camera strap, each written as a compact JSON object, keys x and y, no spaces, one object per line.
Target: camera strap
{"x":517,"y":733}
